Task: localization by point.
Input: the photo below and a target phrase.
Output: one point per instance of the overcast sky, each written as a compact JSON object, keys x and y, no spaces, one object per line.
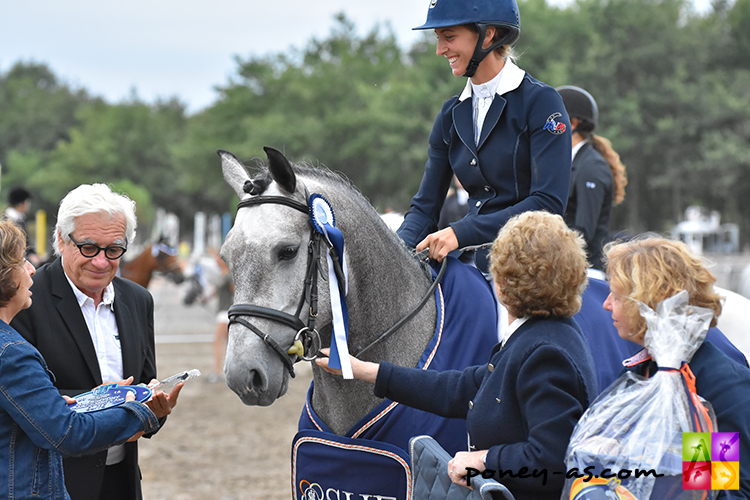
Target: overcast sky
{"x":165,"y":48}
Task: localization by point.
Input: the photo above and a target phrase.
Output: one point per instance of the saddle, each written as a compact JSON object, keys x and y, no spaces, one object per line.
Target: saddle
{"x":430,"y":481}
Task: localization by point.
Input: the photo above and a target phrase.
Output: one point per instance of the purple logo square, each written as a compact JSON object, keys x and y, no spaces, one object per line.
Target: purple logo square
{"x":725,"y":446}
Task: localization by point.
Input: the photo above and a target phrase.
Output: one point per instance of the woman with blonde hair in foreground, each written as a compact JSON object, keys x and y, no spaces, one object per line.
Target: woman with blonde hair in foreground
{"x":651,"y":270}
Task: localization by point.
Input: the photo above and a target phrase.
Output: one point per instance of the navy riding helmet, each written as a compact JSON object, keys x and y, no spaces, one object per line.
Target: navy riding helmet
{"x":580,"y":104}
{"x":503,"y":14}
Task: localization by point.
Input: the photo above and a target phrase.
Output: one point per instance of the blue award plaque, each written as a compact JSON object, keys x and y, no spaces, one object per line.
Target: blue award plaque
{"x":108,"y":396}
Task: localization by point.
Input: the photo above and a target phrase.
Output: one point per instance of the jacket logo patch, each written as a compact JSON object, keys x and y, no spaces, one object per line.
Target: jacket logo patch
{"x":553,"y":126}
{"x":433,"y":3}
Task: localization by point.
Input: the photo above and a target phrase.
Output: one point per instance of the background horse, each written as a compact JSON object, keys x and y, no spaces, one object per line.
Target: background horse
{"x":203,"y":276}
{"x":158,"y":257}
{"x":267,"y":252}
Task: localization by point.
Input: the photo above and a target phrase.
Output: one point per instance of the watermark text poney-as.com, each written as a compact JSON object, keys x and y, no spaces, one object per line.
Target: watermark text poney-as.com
{"x":588,"y":474}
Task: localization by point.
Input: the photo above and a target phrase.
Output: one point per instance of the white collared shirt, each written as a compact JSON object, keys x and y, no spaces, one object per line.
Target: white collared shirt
{"x":510,"y":330}
{"x":509,"y":78}
{"x":14,"y":215}
{"x":481,"y":98}
{"x":103,"y":330}
{"x":105,"y":336}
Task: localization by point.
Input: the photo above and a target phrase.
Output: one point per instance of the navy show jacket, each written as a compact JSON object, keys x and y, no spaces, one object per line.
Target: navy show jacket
{"x":522,"y":161}
{"x":592,"y":188}
{"x":522,"y":406}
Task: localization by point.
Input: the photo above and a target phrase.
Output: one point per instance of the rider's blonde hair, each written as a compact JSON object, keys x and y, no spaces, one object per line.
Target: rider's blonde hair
{"x":539,"y":264}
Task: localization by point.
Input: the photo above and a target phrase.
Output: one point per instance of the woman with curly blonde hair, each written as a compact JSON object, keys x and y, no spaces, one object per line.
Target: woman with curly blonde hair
{"x":520,"y":407}
{"x":540,"y":272}
{"x":651,"y":270}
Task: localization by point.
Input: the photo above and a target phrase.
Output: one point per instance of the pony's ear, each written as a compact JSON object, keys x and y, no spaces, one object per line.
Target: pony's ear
{"x":281,"y":170}
{"x":234,"y":172}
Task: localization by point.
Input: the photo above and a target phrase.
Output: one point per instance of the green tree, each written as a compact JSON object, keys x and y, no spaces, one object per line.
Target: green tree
{"x":124,"y":144}
{"x":352,"y":102}
{"x":36,"y":109}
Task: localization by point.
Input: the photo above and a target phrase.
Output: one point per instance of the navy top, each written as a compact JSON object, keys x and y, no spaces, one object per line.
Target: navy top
{"x":590,"y":201}
{"x":522,"y":161}
{"x":522,"y":406}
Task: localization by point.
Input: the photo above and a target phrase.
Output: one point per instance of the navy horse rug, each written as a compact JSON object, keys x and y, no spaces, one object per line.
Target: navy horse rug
{"x":372,"y":461}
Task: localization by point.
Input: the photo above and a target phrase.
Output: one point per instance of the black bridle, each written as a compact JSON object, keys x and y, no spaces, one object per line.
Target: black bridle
{"x":307,"y":342}
{"x":307,"y":335}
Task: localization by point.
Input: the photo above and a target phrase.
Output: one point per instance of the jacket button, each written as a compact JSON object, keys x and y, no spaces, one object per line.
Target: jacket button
{"x":491,"y":367}
{"x":487,"y":188}
{"x":473,"y":162}
{"x":479,"y":204}
{"x":99,"y":463}
{"x":471,"y":405}
{"x":497,"y":399}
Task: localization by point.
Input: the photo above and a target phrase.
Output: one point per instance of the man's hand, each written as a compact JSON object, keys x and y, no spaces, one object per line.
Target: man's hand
{"x":161,"y":404}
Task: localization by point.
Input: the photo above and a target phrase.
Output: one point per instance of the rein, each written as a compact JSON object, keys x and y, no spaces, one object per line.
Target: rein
{"x":413,"y":312}
{"x":307,"y":343}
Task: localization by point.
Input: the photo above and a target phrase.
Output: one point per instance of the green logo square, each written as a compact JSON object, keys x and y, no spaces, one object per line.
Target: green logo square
{"x":696,"y":446}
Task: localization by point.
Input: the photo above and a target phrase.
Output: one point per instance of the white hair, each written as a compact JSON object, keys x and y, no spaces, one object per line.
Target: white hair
{"x":89,"y":199}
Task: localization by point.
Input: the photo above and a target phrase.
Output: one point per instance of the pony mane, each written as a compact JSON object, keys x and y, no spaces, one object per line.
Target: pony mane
{"x":305,"y":170}
{"x":324,"y":175}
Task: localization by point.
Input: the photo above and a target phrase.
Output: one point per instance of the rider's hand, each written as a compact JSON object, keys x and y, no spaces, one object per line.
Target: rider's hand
{"x":440,"y":243}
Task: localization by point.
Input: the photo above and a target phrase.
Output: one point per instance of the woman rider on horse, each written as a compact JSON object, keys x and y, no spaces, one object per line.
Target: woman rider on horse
{"x":506,"y":136}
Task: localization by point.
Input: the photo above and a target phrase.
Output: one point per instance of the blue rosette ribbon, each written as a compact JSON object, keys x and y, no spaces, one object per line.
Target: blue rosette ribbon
{"x":324,"y":222}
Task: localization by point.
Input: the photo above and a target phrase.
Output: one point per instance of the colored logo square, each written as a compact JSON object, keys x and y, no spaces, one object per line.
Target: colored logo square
{"x":696,"y":475}
{"x":725,"y":476}
{"x":725,"y":446}
{"x":696,"y":446}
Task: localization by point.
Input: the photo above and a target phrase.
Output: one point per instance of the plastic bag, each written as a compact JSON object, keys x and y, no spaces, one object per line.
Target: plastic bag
{"x":635,"y":427}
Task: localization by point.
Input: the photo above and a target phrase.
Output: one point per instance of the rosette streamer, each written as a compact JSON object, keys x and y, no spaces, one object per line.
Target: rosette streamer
{"x":324,"y":222}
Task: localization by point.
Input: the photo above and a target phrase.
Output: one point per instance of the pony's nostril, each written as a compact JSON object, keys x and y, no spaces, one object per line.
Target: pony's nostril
{"x":257,"y":382}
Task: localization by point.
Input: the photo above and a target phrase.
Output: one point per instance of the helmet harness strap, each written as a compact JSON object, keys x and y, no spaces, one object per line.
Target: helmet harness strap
{"x":480,"y":53}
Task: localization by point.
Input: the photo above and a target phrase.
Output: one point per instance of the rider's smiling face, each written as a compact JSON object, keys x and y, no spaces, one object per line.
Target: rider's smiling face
{"x":457,"y":44}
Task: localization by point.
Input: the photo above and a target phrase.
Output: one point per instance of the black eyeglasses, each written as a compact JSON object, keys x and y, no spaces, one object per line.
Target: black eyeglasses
{"x":89,"y":250}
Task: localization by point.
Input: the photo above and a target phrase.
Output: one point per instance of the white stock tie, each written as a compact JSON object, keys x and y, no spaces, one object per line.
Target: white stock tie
{"x":483,"y":103}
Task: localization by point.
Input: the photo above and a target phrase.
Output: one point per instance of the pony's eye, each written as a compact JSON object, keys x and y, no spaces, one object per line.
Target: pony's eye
{"x":288,"y":253}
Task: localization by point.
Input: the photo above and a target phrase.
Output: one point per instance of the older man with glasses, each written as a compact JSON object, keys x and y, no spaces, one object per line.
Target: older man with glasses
{"x":93,"y":327}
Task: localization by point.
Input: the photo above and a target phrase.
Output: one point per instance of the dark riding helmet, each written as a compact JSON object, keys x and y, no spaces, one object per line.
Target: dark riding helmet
{"x":18,"y":195}
{"x":580,"y":104}
{"x":503,"y":14}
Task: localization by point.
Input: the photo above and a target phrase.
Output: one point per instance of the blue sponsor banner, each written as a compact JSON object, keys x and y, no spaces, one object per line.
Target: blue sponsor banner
{"x":330,"y":467}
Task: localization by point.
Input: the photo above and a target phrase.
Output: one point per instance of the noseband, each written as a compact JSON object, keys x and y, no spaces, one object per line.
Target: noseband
{"x":307,"y":342}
